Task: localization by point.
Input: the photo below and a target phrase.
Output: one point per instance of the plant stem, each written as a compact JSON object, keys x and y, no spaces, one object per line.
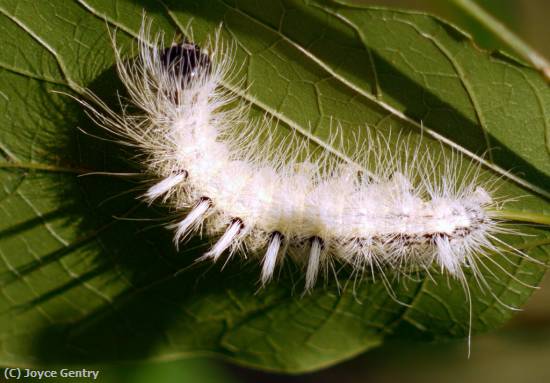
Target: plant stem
{"x":521,"y":216}
{"x":505,"y":35}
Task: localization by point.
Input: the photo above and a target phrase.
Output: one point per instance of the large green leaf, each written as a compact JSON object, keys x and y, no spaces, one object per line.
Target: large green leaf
{"x":80,"y":284}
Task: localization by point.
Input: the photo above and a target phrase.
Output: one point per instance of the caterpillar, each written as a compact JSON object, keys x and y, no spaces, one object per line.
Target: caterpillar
{"x":396,"y":207}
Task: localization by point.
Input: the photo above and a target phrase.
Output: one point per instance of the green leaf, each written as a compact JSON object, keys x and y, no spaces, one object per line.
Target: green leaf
{"x":81,"y":284}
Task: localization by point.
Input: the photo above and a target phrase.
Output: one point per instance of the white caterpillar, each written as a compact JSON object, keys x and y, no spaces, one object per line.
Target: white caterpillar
{"x":410,"y":211}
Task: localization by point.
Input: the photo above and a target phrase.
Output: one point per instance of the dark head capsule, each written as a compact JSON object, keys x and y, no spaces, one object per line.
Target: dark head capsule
{"x":185,"y":60}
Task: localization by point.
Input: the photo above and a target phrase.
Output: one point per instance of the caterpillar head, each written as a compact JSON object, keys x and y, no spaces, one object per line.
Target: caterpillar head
{"x":186,"y":61}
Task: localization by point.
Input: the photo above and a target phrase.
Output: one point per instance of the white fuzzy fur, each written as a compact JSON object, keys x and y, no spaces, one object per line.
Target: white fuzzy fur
{"x":411,"y":211}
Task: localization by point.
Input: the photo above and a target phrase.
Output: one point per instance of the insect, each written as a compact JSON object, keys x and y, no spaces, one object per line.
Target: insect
{"x":412,"y":210}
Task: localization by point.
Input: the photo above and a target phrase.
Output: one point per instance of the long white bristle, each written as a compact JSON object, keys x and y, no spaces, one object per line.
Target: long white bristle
{"x":313,"y":262}
{"x":270,"y":257}
{"x":225,"y":241}
{"x":162,"y":187}
{"x":192,"y":220}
